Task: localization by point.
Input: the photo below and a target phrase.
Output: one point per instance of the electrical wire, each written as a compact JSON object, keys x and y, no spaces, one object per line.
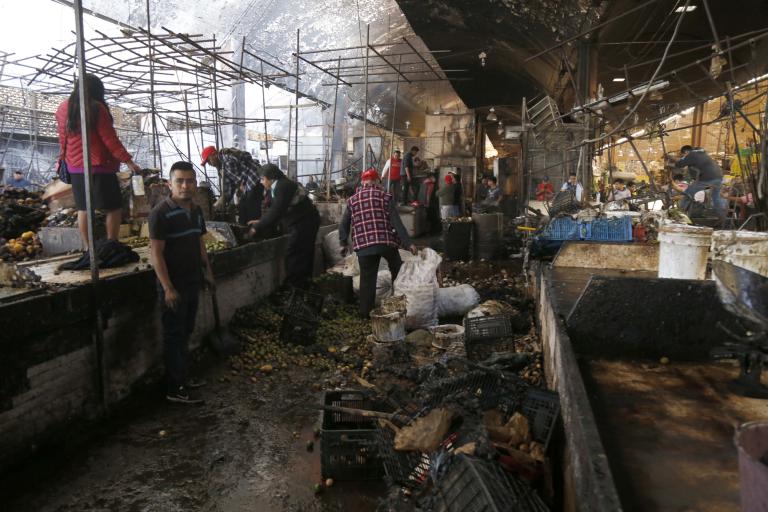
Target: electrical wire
{"x":650,"y":82}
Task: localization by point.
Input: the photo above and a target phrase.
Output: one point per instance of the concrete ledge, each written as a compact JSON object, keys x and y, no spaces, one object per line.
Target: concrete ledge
{"x":617,"y":256}
{"x":48,"y":369}
{"x":588,"y":482}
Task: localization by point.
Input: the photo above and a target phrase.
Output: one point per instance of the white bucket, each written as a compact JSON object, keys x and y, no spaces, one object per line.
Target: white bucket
{"x":745,"y":249}
{"x":446,"y":335}
{"x":388,"y":327}
{"x":683,"y":251}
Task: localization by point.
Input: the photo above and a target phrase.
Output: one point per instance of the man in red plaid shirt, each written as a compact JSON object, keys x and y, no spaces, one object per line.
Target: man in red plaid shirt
{"x":377,"y":232}
{"x":238,"y":173}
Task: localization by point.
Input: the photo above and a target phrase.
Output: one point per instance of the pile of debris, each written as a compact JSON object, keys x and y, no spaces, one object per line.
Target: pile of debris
{"x":442,"y":422}
{"x":449,"y":429}
{"x":338,"y":347}
{"x":20,"y":211}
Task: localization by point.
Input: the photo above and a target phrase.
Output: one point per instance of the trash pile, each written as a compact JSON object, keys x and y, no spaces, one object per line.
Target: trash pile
{"x":455,"y":413}
{"x":20,"y":211}
{"x":12,"y":276}
{"x":339,"y":347}
{"x":23,"y":248}
{"x":448,"y":429}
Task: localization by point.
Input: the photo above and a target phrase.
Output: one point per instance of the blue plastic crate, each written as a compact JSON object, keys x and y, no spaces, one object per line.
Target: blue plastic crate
{"x":618,"y":229}
{"x":563,"y":228}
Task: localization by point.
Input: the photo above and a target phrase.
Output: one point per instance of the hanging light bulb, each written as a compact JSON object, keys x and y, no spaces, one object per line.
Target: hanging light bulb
{"x":407,"y":125}
{"x":500,"y":129}
{"x":492,"y":115}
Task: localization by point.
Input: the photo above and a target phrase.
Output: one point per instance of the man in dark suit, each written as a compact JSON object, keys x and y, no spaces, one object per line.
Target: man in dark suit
{"x":291,"y":208}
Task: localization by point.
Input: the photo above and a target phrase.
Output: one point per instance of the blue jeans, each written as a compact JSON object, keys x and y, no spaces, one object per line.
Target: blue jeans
{"x":178,"y":325}
{"x":718,"y":203}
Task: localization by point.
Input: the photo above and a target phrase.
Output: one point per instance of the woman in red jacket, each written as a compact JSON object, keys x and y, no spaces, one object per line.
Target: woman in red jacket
{"x":106,"y":154}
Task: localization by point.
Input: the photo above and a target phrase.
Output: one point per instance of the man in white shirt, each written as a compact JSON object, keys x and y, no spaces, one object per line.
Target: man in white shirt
{"x":574,"y":185}
{"x":620,"y":191}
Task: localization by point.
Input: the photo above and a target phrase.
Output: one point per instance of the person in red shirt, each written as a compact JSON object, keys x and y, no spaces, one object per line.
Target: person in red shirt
{"x":545,"y":190}
{"x":392,"y":171}
{"x":107,"y":152}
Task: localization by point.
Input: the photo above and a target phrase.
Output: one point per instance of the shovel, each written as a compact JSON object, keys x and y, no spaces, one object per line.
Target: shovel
{"x":222,"y":341}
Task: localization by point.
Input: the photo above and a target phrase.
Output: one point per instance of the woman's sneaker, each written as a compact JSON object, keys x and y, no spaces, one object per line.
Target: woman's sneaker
{"x":182,"y":396}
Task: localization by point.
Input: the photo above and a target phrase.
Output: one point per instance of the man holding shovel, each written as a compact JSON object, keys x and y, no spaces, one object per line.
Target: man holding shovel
{"x":176,"y":227}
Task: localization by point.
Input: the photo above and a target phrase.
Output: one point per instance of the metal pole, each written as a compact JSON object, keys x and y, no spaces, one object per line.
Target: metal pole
{"x":186,"y":117}
{"x":155,"y":139}
{"x":264,"y":109}
{"x":333,"y":133}
{"x":290,"y":130}
{"x":642,"y":162}
{"x":216,"y":125}
{"x":296,"y":125}
{"x":394,"y":115}
{"x":200,"y":123}
{"x":85,"y":114}
{"x":365,"y":103}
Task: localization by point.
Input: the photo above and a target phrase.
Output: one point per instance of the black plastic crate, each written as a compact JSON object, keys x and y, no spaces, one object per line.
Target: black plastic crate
{"x":542,"y":409}
{"x":298,"y":330}
{"x":348,"y":443}
{"x":408,"y":468}
{"x":487,"y":328}
{"x":304,"y":304}
{"x":468,"y":484}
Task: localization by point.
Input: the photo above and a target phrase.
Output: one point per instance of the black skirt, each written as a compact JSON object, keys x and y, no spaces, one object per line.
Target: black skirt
{"x":105,"y":192}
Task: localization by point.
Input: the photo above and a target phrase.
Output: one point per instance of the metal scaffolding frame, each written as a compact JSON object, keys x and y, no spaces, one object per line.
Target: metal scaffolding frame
{"x":387,"y":62}
{"x":159,"y":75}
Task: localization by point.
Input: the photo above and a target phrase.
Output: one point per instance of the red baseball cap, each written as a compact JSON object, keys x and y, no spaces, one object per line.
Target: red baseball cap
{"x":207,"y":152}
{"x":370,"y":174}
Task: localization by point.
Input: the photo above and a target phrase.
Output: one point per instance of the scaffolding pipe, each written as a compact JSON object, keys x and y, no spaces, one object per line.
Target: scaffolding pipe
{"x":394,"y":116}
{"x":296,"y":125}
{"x":333,"y":134}
{"x":365,"y":101}
{"x":264,"y":109}
{"x":85,"y":111}
{"x":155,"y":138}
{"x":186,"y":118}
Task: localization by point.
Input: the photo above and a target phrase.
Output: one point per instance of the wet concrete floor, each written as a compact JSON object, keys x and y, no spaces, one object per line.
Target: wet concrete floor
{"x":245,"y":449}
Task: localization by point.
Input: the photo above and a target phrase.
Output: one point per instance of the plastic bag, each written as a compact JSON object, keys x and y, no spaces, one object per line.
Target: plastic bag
{"x":332,"y":248}
{"x":417,"y":280}
{"x":456,"y":300}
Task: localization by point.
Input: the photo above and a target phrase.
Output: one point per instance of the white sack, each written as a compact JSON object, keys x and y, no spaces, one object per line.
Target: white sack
{"x":456,"y":300}
{"x":417,"y":280}
{"x":332,"y":249}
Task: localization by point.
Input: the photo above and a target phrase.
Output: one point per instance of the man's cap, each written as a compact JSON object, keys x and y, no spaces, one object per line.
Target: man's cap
{"x":370,"y":174}
{"x":207,"y":152}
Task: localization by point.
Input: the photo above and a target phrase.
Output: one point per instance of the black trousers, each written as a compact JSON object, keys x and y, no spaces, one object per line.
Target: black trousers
{"x":178,"y":325}
{"x":300,"y":253}
{"x":394,"y":189}
{"x":369,"y":269}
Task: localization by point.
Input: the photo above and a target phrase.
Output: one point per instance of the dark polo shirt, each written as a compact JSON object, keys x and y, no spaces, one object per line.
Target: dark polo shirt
{"x":181,"y":229}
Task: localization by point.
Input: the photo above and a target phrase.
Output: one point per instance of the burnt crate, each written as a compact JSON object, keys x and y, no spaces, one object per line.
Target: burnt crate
{"x":467,"y":484}
{"x":408,"y":469}
{"x":304,"y":304}
{"x":298,"y":330}
{"x":542,"y":409}
{"x":487,"y":328}
{"x":348,"y":446}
